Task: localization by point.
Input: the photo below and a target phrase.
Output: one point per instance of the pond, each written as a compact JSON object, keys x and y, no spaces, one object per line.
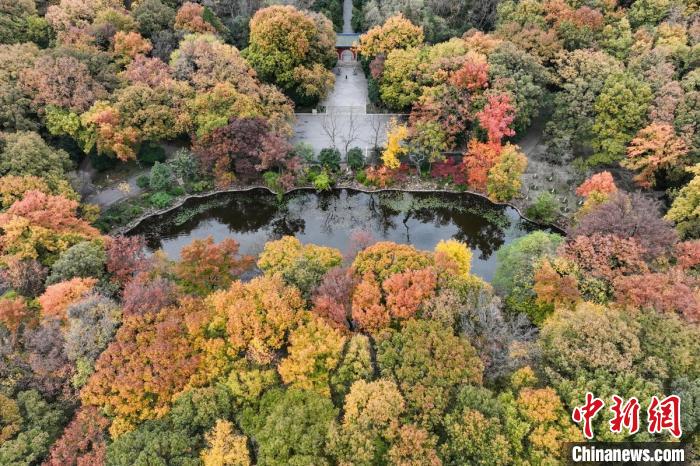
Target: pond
{"x":422,"y":219}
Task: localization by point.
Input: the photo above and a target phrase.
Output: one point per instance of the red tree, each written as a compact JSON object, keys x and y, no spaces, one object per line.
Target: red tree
{"x":126,"y":257}
{"x":496,"y":117}
{"x":83,"y":442}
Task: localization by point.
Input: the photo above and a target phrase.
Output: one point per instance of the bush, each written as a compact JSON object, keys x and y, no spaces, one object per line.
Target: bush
{"x":143,"y":181}
{"x":161,"y":199}
{"x":184,"y":165}
{"x":272,"y":181}
{"x":356,"y":159}
{"x":544,"y":209}
{"x":199,"y":186}
{"x":330,"y":158}
{"x":150,"y":154}
{"x":322,"y":182}
{"x":161,"y":178}
{"x":305,"y":152}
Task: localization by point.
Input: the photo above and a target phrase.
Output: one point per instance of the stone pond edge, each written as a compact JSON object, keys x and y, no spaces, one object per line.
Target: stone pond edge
{"x":128,"y":227}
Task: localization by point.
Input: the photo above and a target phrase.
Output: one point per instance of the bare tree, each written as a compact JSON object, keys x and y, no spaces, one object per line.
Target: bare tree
{"x":351,"y":133}
{"x":376,"y":122}
{"x":330,"y":126}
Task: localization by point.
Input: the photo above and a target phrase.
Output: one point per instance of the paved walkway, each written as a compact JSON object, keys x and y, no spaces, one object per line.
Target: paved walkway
{"x":347,"y":17}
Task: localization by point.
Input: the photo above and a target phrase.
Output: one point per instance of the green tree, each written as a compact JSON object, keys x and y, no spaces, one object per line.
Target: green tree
{"x":291,"y":427}
{"x":514,"y":276}
{"x":85,"y":259}
{"x":161,"y":177}
{"x":25,"y":153}
{"x":429,"y":364}
{"x":294,"y":50}
{"x":621,"y":110}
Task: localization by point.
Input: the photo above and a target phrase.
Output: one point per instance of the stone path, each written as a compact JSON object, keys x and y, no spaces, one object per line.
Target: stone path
{"x":347,"y":17}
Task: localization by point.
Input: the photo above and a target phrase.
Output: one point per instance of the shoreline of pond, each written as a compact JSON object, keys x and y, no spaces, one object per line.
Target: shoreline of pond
{"x":135,"y":223}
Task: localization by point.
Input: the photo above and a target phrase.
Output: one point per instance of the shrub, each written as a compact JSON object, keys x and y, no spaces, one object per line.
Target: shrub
{"x":330,"y":158}
{"x":161,"y":178}
{"x":272,"y":181}
{"x":544,"y":209}
{"x":150,"y":154}
{"x":305,"y":152}
{"x":356,"y":159}
{"x":143,"y":181}
{"x":322,"y":182}
{"x":161,"y":199}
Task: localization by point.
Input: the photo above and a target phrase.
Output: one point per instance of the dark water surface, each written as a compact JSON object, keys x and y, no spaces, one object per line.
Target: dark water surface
{"x":422,"y":219}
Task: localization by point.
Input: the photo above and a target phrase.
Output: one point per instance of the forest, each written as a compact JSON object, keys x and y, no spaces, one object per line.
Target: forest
{"x":378,"y":353}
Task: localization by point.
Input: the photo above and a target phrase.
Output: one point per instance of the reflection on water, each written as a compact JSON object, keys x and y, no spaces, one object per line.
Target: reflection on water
{"x":421,"y":219}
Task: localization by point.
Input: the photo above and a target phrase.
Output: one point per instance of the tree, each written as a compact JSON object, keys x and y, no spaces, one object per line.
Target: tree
{"x":137,"y":377}
{"x":517,"y":263}
{"x":630,"y":216}
{"x":27,"y":277}
{"x":128,"y":45}
{"x":15,"y":111}
{"x":478,"y":161}
{"x":161,"y":177}
{"x":332,"y":299}
{"x":601,"y":183}
{"x":26,"y":154}
{"x":190,"y":19}
{"x":13,"y":188}
{"x":457,"y":252}
{"x":426,"y":145}
{"x":205,"y":266}
{"x":655,"y":148}
{"x":291,"y":427}
{"x":406,"y":291}
{"x":42,"y":226}
{"x":684,"y":211}
{"x":399,"y":85}
{"x":243,"y":147}
{"x":258,"y":314}
{"x":57,"y":298}
{"x":356,"y":364}
{"x":225,"y":447}
{"x":583,"y":74}
{"x":396,"y":135}
{"x":672,"y":291}
{"x":91,"y":324}
{"x":300,"y":265}
{"x":83,"y":260}
{"x":621,"y":110}
{"x":397,"y":32}
{"x":62,"y":81}
{"x":589,"y":338}
{"x":125,"y":257}
{"x":82,"y":442}
{"x":496,"y":117}
{"x":414,"y":446}
{"x":383,"y":259}
{"x":314,"y":352}
{"x":428,"y":363}
{"x":41,"y":424}
{"x":369,"y":425}
{"x":503,"y":181}
{"x":153,"y":16}
{"x":292,"y":49}
{"x":368,"y":312}
{"x":146,"y":294}
{"x":13,"y":313}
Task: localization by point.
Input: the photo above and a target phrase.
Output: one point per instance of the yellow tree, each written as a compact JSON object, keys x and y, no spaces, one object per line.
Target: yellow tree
{"x":314,"y":352}
{"x":656,"y":147}
{"x":395,"y":137}
{"x":397,"y":32}
{"x":225,"y":447}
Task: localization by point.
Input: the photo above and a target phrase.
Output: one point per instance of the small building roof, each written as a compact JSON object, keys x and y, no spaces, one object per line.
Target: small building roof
{"x":346,"y":40}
